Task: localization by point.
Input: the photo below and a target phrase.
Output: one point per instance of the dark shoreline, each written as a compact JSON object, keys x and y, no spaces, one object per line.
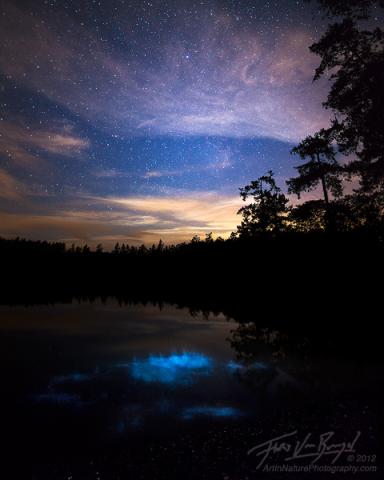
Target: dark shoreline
{"x":325,"y":288}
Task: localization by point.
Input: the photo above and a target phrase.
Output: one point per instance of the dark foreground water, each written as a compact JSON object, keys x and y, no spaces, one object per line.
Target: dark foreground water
{"x":103,"y":391}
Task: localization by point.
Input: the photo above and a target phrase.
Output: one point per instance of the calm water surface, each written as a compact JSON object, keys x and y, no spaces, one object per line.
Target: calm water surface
{"x":103,"y":391}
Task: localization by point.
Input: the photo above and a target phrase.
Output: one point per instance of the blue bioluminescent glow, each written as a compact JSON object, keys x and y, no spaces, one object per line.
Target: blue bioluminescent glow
{"x":172,"y":369}
{"x":259,"y":366}
{"x":134,"y":422}
{"x":59,"y":398}
{"x":203,"y":411}
{"x":235,"y":366}
{"x":165,"y":406}
{"x":120,"y":427}
{"x":71,"y":377}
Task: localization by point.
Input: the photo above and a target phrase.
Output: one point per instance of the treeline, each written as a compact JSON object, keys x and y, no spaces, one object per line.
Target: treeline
{"x":22,"y":245}
{"x":207,"y":245}
{"x":312,"y":278}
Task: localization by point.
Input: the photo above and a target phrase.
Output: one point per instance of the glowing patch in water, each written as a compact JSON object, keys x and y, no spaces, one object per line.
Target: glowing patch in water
{"x":204,"y":411}
{"x":259,"y":366}
{"x":134,"y":422}
{"x":59,"y":398}
{"x":172,"y":369}
{"x":235,"y":366}
{"x":71,"y":377}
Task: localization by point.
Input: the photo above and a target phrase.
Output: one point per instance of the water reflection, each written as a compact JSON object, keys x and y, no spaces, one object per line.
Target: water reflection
{"x":176,"y":369}
{"x":71,"y":377}
{"x":238,"y":367}
{"x":218,"y":412}
{"x":146,"y":386}
{"x":59,"y":398}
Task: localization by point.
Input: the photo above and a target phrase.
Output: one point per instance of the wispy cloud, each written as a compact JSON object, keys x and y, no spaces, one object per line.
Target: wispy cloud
{"x":234,"y":83}
{"x":187,"y":170}
{"x":25,"y":146}
{"x":130,"y":219}
{"x":111,"y":173}
{"x":222,"y":161}
{"x":10,"y":188}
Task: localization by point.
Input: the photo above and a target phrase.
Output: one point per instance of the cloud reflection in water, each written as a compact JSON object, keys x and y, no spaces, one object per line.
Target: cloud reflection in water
{"x":200,"y":411}
{"x":177,"y":369}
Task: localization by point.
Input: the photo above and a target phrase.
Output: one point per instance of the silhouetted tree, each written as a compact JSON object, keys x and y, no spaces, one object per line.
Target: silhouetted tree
{"x":322,"y":168}
{"x":268,"y":211}
{"x":308,"y":216}
{"x":353,"y":57}
{"x":143,"y":249}
{"x":160,"y":246}
{"x":195,"y":239}
{"x":362,"y":210}
{"x":347,"y":215}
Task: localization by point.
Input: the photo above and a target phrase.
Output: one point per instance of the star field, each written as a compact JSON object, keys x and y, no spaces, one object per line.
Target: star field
{"x":135,"y":120}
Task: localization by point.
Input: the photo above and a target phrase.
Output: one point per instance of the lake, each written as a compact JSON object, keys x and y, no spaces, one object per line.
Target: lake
{"x":103,"y":390}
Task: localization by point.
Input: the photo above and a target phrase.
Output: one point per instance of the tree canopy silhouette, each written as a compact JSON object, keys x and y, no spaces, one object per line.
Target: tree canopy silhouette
{"x":268,"y":211}
{"x":308,"y":216}
{"x":322,"y":168}
{"x":353,"y":57}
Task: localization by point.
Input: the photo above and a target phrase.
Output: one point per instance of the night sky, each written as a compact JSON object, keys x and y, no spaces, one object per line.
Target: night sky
{"x":132,"y":121}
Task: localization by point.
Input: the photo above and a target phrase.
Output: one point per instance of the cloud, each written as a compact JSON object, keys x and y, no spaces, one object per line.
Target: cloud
{"x":216,"y":165}
{"x":129,"y":219}
{"x":111,"y":173}
{"x":20,"y":194}
{"x":234,"y":83}
{"x":25,"y":146}
{"x":200,"y":210}
{"x":222,"y":159}
{"x":63,"y":144}
{"x":10,"y":188}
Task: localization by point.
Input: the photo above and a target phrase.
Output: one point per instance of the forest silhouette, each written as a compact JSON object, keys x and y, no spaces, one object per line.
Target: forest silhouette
{"x":321,"y":259}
